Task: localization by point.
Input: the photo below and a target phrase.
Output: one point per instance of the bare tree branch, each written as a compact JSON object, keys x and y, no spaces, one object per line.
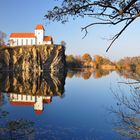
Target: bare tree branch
{"x":117,"y":35}
{"x":127,"y":7}
{"x":109,"y":12}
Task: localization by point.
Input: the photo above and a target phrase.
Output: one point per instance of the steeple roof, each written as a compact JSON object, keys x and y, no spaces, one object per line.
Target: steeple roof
{"x":39,"y":27}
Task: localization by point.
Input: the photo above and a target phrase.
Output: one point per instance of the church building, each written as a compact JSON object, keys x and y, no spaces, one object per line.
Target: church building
{"x":27,"y":38}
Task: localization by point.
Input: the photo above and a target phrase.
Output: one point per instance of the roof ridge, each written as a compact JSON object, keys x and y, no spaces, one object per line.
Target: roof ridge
{"x":22,"y":35}
{"x":20,"y":32}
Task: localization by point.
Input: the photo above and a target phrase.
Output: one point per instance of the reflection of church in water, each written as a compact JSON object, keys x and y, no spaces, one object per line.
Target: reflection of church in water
{"x":29,"y":100}
{"x":34,"y":90}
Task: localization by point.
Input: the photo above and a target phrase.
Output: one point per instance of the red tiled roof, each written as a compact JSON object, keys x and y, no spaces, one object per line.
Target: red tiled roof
{"x":38,"y":112}
{"x":22,"y":35}
{"x":39,"y":27}
{"x":14,"y":103}
{"x":47,"y":38}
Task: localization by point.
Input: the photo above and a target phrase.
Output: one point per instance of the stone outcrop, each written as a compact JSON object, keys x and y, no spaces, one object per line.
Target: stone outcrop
{"x":33,"y":58}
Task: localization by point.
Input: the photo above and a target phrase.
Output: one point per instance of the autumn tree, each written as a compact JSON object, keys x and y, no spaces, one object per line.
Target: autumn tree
{"x":98,"y":59}
{"x":86,"y":57}
{"x":73,"y":62}
{"x":106,"y":12}
{"x":69,"y":58}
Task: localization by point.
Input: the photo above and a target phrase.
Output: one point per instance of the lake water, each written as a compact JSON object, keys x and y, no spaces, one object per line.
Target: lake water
{"x":80,"y":106}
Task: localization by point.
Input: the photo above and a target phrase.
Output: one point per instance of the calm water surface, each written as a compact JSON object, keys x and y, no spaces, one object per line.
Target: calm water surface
{"x":77,"y":107}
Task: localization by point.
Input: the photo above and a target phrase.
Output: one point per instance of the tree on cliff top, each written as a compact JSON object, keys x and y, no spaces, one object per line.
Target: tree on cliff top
{"x":106,"y":12}
{"x":2,"y":37}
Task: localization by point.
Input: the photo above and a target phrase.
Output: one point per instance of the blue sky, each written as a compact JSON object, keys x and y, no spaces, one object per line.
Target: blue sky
{"x":24,"y":15}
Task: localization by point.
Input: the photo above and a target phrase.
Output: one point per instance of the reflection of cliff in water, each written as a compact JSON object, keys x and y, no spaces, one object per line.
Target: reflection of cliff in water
{"x":31,"y":89}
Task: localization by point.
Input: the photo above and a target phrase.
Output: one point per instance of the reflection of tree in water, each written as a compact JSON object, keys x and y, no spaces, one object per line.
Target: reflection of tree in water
{"x":17,"y":129}
{"x":13,"y":129}
{"x":131,"y":74}
{"x":100,"y":73}
{"x":128,"y":111}
{"x":86,"y":75}
{"x":87,"y":72}
{"x":56,"y":132}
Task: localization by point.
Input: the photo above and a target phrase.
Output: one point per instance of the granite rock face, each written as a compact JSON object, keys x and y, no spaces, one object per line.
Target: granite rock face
{"x":33,"y":58}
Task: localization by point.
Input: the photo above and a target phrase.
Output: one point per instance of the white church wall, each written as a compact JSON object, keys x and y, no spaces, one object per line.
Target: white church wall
{"x":22,"y":41}
{"x":47,"y":42}
{"x":21,"y":98}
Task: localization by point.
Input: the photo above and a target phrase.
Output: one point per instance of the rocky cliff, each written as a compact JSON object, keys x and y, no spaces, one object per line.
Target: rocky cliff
{"x":33,"y":58}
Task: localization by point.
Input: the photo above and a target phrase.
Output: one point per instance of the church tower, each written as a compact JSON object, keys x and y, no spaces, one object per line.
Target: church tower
{"x":39,"y":33}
